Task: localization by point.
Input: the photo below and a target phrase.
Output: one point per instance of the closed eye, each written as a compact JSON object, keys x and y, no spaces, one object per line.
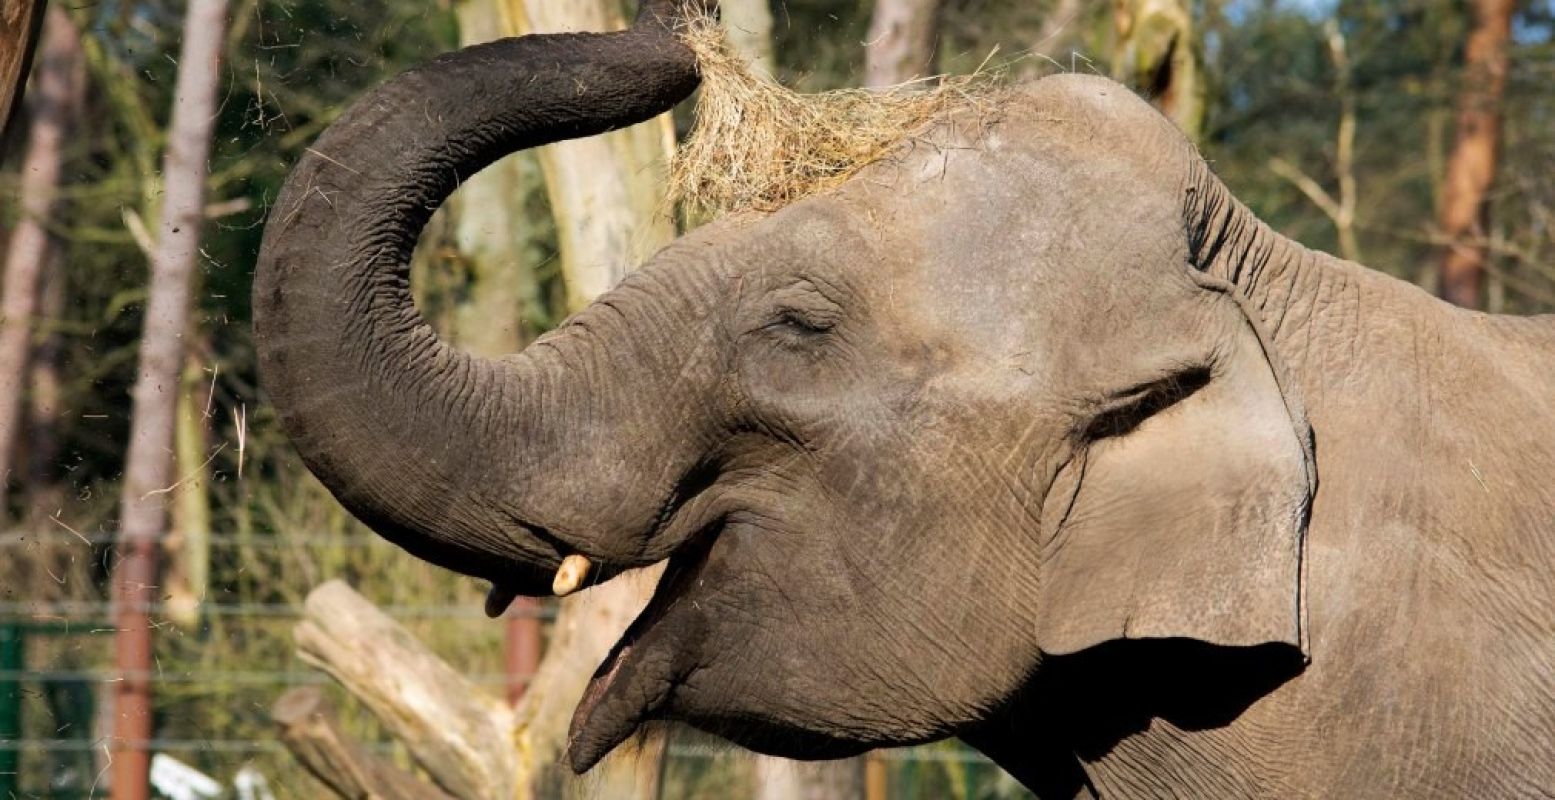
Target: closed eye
{"x":799,"y":321}
{"x":1129,"y":409}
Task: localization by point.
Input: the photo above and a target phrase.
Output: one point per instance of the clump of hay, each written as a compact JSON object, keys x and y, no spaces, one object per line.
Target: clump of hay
{"x":757,"y":145}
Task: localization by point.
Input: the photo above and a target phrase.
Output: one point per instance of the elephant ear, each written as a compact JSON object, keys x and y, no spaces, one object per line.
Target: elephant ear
{"x":1184,"y":513}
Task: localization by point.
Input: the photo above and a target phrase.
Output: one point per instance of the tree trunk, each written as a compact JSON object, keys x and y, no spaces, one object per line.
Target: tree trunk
{"x":19,"y":23}
{"x":1471,"y":169}
{"x":902,"y":36}
{"x":188,"y":544}
{"x":148,"y":468}
{"x":749,"y":27}
{"x":781,"y":779}
{"x":45,"y":386}
{"x":1158,"y":55}
{"x":607,"y":192}
{"x":61,"y":75}
{"x":498,"y":240}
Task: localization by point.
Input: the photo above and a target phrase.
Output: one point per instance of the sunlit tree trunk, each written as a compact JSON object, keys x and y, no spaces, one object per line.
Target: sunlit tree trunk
{"x":1341,"y":210}
{"x":148,"y":467}
{"x":60,"y":79}
{"x":606,"y":191}
{"x":1471,"y":169}
{"x":19,"y":23}
{"x":902,"y":38}
{"x":187,"y":545}
{"x":498,"y":240}
{"x":749,"y":27}
{"x":1158,"y":55}
{"x":781,"y":779}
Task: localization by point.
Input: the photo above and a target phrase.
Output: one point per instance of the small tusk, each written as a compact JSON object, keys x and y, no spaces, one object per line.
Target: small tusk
{"x":570,"y":575}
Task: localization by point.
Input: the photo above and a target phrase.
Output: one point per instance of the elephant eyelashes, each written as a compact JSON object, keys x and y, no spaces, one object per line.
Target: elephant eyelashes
{"x":802,"y":322}
{"x":1129,"y":409}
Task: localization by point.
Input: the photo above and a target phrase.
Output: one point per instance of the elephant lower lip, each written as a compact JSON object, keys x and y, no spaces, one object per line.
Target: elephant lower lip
{"x":601,"y":722}
{"x":498,"y":598}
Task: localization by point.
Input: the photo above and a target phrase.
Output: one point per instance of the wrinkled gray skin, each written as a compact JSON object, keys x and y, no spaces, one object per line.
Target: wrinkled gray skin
{"x":1028,"y":434}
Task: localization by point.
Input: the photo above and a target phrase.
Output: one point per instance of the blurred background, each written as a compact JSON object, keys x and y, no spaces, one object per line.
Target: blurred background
{"x":158,"y":538}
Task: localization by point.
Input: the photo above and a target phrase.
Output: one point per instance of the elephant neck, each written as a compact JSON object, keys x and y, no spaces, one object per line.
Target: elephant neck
{"x":1312,"y":306}
{"x":1226,"y":239}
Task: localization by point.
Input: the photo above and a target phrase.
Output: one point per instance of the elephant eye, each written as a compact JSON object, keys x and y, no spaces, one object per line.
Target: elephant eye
{"x":1128,"y":409}
{"x":802,"y":321}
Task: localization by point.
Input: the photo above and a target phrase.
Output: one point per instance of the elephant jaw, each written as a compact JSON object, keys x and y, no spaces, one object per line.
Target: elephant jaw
{"x":638,"y":678}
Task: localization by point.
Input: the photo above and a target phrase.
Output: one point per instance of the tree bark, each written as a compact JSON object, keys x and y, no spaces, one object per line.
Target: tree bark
{"x":498,"y":240}
{"x":148,"y":468}
{"x":45,"y":387}
{"x":470,"y":744}
{"x":748,"y":24}
{"x":606,"y":191}
{"x":781,"y":779}
{"x":1158,"y":54}
{"x":1471,"y":169}
{"x":902,"y":36}
{"x":188,"y":543}
{"x":61,"y":79}
{"x":19,"y":24}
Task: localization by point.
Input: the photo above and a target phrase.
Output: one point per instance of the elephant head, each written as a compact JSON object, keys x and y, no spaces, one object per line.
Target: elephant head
{"x":995,"y":398}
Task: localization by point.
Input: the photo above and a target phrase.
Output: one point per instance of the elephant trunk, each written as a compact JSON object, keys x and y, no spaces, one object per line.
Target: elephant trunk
{"x":437,"y":450}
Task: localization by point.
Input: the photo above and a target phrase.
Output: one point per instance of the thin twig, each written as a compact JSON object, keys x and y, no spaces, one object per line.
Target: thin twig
{"x":192,"y":473}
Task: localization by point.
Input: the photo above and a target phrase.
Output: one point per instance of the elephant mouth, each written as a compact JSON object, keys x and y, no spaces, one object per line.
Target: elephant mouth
{"x":637,"y":680}
{"x":692,"y":509}
{"x":513,"y":578}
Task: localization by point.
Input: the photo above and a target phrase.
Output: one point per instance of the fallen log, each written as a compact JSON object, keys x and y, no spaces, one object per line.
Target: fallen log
{"x":310,"y":730}
{"x":459,"y":735}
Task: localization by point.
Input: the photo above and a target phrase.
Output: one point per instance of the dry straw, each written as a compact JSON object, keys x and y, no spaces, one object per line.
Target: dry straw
{"x":757,"y":145}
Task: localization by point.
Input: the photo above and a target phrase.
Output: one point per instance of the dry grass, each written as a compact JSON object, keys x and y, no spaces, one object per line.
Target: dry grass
{"x":757,"y":145}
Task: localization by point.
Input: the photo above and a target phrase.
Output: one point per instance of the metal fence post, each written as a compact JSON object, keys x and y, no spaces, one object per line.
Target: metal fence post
{"x":12,"y":654}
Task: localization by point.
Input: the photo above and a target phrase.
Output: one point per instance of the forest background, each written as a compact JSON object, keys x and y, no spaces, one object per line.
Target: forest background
{"x":1416,"y":135}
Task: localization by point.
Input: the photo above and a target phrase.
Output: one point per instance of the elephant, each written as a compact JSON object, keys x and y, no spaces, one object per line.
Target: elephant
{"x":1029,"y":433}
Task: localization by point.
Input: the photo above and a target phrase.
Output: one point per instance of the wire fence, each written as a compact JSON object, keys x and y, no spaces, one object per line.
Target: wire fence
{"x":215,"y":676}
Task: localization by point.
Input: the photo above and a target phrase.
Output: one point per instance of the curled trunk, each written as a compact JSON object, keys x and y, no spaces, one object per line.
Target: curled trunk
{"x":462,"y":460}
